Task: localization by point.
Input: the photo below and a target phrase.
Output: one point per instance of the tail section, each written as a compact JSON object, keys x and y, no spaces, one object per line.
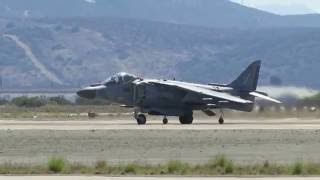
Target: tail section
{"x":247,"y":83}
{"x":248,"y":80}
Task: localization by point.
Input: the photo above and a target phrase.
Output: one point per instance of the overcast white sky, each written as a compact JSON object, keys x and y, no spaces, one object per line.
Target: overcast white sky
{"x":285,"y":6}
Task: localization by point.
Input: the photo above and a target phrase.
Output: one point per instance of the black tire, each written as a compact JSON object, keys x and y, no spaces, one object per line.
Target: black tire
{"x":165,"y":121}
{"x":141,"y":119}
{"x":186,"y":119}
{"x":221,"y":120}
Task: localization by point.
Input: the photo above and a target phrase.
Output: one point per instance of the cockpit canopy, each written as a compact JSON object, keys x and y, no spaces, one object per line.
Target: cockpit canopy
{"x":120,"y":78}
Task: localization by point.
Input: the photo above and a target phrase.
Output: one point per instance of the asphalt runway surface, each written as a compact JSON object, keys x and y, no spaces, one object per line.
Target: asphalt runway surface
{"x":244,"y":141}
{"x":205,"y":124}
{"x":148,"y":178}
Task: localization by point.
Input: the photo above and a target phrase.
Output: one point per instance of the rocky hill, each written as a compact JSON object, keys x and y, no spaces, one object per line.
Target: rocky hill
{"x":41,"y":53}
{"x":208,"y":13}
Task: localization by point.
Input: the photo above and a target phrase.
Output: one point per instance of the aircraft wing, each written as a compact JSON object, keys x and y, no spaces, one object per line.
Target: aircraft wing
{"x":202,"y":91}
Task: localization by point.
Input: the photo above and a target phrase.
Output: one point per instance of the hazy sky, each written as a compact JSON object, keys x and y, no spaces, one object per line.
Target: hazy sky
{"x":285,"y":6}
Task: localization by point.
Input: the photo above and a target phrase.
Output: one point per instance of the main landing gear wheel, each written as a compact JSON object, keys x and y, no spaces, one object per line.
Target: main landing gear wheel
{"x":186,"y":119}
{"x":221,"y":120}
{"x":165,"y":120}
{"x":141,"y":119}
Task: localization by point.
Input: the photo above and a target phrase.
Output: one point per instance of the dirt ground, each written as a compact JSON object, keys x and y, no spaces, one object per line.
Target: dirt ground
{"x":149,"y":178}
{"x":156,"y":146}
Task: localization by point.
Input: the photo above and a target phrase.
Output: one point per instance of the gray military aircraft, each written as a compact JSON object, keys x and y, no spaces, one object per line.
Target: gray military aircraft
{"x":177,"y":98}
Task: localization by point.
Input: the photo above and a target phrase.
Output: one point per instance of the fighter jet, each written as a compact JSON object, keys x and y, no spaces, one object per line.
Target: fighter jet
{"x":176,"y":98}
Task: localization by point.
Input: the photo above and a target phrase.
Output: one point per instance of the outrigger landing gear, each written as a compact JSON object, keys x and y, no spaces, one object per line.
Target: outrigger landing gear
{"x":165,"y":120}
{"x":221,"y":120}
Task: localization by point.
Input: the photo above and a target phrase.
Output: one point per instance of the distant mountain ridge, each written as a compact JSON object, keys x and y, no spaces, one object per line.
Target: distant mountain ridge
{"x":82,"y":42}
{"x":88,"y":50}
{"x":287,"y":9}
{"x":209,"y":13}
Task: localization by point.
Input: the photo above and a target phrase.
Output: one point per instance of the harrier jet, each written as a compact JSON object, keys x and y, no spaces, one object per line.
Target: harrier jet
{"x":176,"y":98}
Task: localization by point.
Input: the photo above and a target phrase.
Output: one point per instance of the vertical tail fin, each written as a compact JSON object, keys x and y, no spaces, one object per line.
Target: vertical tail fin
{"x":248,"y":80}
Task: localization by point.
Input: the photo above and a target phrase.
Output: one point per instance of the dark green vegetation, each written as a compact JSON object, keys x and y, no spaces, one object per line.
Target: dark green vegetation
{"x":54,"y":107}
{"x":56,"y":165}
{"x":220,"y":165}
{"x":29,"y":102}
{"x":83,"y":101}
{"x":35,"y":102}
{"x":314,"y":100}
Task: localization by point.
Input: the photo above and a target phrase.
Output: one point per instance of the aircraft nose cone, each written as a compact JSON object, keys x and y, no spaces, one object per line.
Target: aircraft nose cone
{"x":87,"y":93}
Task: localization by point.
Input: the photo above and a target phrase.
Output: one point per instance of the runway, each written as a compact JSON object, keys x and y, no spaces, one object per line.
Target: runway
{"x":117,"y":141}
{"x":114,"y":124}
{"x":147,"y":178}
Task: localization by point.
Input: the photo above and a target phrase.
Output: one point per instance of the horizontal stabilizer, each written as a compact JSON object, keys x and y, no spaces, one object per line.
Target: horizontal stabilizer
{"x":264,"y":96}
{"x":215,"y":84}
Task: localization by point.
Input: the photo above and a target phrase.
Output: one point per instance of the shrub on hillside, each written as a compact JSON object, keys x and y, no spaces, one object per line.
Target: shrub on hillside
{"x":83,"y":101}
{"x":56,"y":165}
{"x":313,"y":100}
{"x":29,"y":102}
{"x":59,"y":100}
{"x":177,"y":167}
{"x":3,"y":101}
